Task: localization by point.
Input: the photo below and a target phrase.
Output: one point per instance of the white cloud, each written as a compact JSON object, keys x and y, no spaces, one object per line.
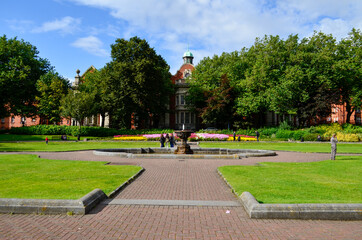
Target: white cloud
{"x":66,"y":25}
{"x":215,"y":26}
{"x":92,"y":45}
{"x":20,"y":26}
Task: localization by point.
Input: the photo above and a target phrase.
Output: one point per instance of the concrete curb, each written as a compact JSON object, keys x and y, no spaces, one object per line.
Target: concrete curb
{"x":81,"y":206}
{"x":52,"y":206}
{"x":124,"y":185}
{"x":297,"y":211}
{"x":202,"y":153}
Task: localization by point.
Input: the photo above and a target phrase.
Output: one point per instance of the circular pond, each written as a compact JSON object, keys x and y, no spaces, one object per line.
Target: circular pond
{"x":202,"y":153}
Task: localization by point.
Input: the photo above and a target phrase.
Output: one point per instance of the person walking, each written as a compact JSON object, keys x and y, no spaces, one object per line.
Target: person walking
{"x":167,"y":140}
{"x":172,"y":140}
{"x":257,"y":135}
{"x":234,"y":135}
{"x":46,"y":140}
{"x":162,"y":140}
{"x":333,"y":147}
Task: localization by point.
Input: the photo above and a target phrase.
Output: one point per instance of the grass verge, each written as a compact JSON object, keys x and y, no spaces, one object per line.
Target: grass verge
{"x":27,"y":176}
{"x":336,"y":181}
{"x":287,"y":146}
{"x":70,"y":146}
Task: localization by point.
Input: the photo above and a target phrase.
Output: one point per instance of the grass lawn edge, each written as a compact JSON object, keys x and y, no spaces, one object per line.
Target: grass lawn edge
{"x":80,"y":206}
{"x":257,"y":210}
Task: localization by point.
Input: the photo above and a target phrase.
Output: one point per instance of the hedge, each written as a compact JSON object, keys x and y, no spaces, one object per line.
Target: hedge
{"x":85,"y":131}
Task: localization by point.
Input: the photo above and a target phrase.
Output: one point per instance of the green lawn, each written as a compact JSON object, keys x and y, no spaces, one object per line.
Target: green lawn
{"x":329,"y":181}
{"x":27,"y":176}
{"x":287,"y":146}
{"x":70,"y":146}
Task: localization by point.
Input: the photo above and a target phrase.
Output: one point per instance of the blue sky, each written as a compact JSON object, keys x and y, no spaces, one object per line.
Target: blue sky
{"x":75,"y":34}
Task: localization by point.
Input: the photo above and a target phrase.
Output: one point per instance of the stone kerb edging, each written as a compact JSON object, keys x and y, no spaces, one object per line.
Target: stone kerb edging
{"x":52,"y":206}
{"x":81,"y":206}
{"x":298,"y":211}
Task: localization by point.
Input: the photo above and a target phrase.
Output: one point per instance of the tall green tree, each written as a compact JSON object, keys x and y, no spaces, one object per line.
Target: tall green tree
{"x":52,"y":88}
{"x":20,"y":69}
{"x":97,"y":82}
{"x":304,"y":86}
{"x":220,"y":105}
{"x":78,"y":105}
{"x":347,"y":72}
{"x":211,"y":77}
{"x":138,"y":82}
{"x":266,"y":61}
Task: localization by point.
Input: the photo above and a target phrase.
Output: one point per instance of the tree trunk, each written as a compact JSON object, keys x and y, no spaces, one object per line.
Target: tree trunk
{"x":349,"y":111}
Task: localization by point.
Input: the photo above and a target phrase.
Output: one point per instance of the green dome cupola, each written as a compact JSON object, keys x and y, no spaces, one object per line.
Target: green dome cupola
{"x":188,"y":57}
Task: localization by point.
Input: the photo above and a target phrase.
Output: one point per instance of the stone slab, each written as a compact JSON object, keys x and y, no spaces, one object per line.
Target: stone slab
{"x":300,"y":211}
{"x":153,"y":202}
{"x":52,"y":206}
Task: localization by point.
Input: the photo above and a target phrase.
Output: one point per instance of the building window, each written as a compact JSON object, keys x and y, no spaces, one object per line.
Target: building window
{"x":177,"y":100}
{"x":33,"y":119}
{"x":3,"y":120}
{"x":192,"y":118}
{"x":12,"y":119}
{"x":358,"y":110}
{"x":182,"y":99}
{"x":177,"y":118}
{"x":187,"y":117}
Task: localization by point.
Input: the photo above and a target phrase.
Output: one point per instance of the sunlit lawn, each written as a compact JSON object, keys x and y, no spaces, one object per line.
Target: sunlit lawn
{"x":329,"y":181}
{"x":57,"y":146}
{"x":27,"y":176}
{"x":324,"y":147}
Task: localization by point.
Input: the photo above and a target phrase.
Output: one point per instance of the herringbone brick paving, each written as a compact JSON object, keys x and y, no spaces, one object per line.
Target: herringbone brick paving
{"x":171,"y":179}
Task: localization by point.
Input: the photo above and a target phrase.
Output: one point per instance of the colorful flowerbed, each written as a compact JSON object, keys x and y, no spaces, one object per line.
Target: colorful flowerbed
{"x":129,"y":138}
{"x":193,"y":137}
{"x":219,"y":137}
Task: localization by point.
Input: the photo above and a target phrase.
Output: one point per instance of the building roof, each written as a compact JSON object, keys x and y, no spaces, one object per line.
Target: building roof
{"x":188,"y":54}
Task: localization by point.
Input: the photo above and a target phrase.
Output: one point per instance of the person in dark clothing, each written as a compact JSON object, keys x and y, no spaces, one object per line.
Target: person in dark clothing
{"x":167,"y":140}
{"x":319,"y":138}
{"x":257,"y":135}
{"x":162,"y":140}
{"x":234,"y":135}
{"x":172,"y":140}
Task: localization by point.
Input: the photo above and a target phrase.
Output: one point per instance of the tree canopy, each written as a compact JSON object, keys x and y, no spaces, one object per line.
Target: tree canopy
{"x":52,"y":88}
{"x":20,"y":69}
{"x":138,"y":82}
{"x":296,"y":76}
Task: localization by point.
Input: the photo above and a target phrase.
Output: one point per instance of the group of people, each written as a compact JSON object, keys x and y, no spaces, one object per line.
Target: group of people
{"x":168,"y":141}
{"x":256,"y":134}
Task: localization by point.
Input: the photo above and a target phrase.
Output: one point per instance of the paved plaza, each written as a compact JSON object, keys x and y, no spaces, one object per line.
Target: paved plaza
{"x":174,"y":199}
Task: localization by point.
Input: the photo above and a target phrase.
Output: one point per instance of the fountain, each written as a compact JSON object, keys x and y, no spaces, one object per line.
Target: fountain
{"x":184,"y":151}
{"x":183,"y":148}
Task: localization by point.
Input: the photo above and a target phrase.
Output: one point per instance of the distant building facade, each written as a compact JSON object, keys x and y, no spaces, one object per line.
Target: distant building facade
{"x":179,"y":116}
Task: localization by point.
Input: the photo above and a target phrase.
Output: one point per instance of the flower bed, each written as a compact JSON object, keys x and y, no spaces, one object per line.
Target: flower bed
{"x":194,"y":137}
{"x":129,"y":138}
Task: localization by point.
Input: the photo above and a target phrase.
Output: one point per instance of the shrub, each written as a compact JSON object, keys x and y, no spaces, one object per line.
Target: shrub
{"x":268,"y":131}
{"x":85,"y":131}
{"x":284,"y":134}
{"x":345,"y":137}
{"x":311,"y":137}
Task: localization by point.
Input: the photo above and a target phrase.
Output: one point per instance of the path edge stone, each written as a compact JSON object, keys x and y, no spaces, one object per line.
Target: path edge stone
{"x":80,"y":206}
{"x":322,"y":211}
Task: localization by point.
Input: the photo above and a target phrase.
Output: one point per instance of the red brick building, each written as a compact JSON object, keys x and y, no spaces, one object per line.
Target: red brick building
{"x":179,"y":116}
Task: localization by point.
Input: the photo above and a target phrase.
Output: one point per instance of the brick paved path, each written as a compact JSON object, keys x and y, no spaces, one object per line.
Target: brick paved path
{"x":172,"y":179}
